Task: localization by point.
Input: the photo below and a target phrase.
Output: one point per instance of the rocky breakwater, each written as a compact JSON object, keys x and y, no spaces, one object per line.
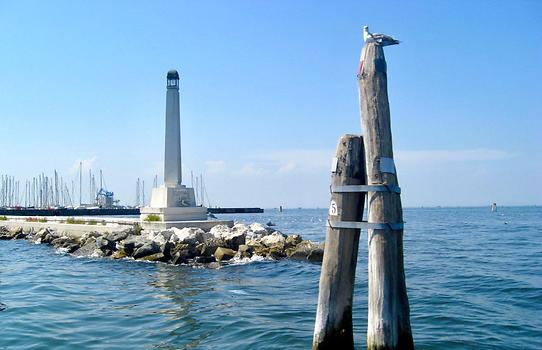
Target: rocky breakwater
{"x":193,"y":246}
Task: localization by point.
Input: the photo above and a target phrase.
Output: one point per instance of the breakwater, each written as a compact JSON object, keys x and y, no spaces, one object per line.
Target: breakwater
{"x":68,"y":211}
{"x":192,"y":246}
{"x":108,"y":211}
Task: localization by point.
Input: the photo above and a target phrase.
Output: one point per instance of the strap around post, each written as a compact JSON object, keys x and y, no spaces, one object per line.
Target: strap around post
{"x":366,"y":188}
{"x":362,"y":225}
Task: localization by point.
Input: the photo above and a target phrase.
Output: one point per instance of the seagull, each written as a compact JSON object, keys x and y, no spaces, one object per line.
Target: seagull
{"x":379,"y":39}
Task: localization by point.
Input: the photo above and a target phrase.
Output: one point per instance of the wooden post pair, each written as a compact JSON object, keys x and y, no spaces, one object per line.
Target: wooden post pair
{"x":360,"y":160}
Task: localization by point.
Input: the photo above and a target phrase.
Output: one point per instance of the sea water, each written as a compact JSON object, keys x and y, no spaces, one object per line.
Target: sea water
{"x":474,"y":281}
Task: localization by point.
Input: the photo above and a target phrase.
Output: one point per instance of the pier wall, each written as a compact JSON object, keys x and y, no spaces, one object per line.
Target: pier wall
{"x":72,"y":230}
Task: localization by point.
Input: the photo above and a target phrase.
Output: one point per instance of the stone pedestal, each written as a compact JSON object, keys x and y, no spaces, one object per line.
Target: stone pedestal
{"x":175,"y":214}
{"x":174,"y":196}
{"x":174,"y":204}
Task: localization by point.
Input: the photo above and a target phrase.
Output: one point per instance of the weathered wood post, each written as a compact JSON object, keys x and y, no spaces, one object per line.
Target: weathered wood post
{"x":389,"y":313}
{"x":333,"y":328}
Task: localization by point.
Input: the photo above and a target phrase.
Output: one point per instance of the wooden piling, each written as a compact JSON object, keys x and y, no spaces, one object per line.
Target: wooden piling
{"x":333,"y":328}
{"x":389,"y":313}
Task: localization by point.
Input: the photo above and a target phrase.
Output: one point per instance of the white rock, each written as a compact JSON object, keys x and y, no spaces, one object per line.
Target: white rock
{"x":235,"y":238}
{"x":220,"y":231}
{"x":189,"y":235}
{"x":160,"y":237}
{"x":258,"y":229}
{"x":276,"y":238}
{"x":240,"y":228}
{"x":252,"y":241}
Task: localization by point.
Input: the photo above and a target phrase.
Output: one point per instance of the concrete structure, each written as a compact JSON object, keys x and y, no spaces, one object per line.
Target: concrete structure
{"x":72,"y":230}
{"x":173,"y":202}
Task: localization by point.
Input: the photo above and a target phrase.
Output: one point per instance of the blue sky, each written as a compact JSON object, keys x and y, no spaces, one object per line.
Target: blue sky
{"x":267,"y":87}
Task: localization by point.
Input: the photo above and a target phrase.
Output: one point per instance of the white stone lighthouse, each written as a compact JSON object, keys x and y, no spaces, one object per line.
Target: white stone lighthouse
{"x":173,"y":202}
{"x":173,"y":173}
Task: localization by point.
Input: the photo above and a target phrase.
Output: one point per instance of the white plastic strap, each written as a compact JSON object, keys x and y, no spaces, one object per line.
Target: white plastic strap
{"x":387,"y":165}
{"x":366,"y":188}
{"x":334,"y":162}
{"x":363,"y":225}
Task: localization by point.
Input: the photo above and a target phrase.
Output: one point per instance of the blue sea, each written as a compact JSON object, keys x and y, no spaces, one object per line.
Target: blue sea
{"x":474,"y":281}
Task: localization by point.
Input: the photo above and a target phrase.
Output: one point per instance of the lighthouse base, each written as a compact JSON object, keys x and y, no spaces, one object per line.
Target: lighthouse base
{"x":175,"y":214}
{"x":177,"y":203}
{"x":173,"y":197}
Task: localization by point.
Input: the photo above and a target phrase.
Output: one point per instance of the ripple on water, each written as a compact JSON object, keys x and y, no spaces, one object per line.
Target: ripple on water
{"x":474,"y":283}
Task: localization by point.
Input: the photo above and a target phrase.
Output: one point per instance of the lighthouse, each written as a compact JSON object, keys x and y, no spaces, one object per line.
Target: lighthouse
{"x":173,"y":202}
{"x":172,"y":155}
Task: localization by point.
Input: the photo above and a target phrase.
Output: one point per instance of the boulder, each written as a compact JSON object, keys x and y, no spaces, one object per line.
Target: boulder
{"x":38,"y":237}
{"x":302,"y":250}
{"x":71,"y":247}
{"x":274,"y":239}
{"x":184,"y":249}
{"x":20,"y":235}
{"x":130,"y":244}
{"x":293,"y":240}
{"x":160,"y":237}
{"x":178,"y":259}
{"x":90,"y":234}
{"x":87,"y":249}
{"x":85,"y":236}
{"x":276,"y":252}
{"x":244,"y":251}
{"x":239,"y":227}
{"x":102,"y":253}
{"x":166,"y":249}
{"x":220,"y":231}
{"x":208,"y":247}
{"x":181,"y":253}
{"x":119,"y":235}
{"x":66,"y":244}
{"x":234,"y":239}
{"x":154,"y":257}
{"x":189,"y":235}
{"x":119,"y":254}
{"x":224,"y":254}
{"x":15,"y":231}
{"x":259,"y":249}
{"x":61,"y":241}
{"x":4,"y":233}
{"x":48,"y":238}
{"x":146,"y":249}
{"x":258,"y":229}
{"x":104,"y":244}
{"x":316,"y":255}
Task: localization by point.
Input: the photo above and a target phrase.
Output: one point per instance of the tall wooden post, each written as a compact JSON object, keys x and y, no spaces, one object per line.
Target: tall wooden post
{"x":389,"y":313}
{"x":333,"y":328}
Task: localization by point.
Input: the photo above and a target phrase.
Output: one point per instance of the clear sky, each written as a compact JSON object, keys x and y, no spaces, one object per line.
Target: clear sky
{"x":267,"y":87}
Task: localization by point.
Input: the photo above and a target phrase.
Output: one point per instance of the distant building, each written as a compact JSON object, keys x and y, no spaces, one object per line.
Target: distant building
{"x":104,"y":199}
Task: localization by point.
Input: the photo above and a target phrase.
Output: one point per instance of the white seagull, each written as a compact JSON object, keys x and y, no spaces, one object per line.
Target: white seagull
{"x":379,"y":39}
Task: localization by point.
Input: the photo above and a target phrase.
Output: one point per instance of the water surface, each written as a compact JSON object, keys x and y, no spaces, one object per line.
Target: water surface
{"x":474,"y":280}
